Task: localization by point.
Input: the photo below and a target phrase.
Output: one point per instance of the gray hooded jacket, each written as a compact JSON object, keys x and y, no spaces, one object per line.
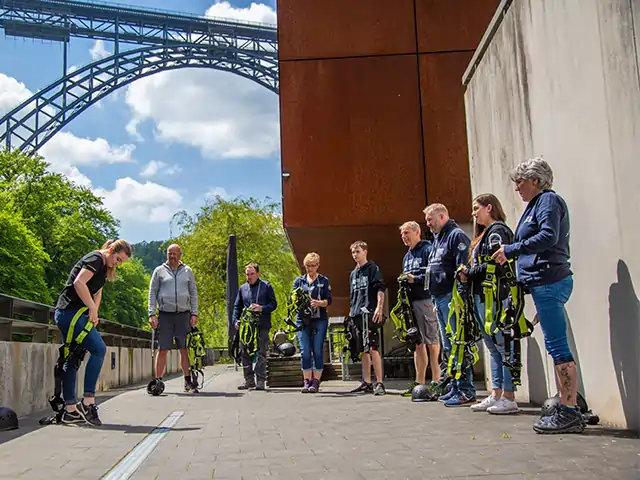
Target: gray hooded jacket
{"x":173,"y":291}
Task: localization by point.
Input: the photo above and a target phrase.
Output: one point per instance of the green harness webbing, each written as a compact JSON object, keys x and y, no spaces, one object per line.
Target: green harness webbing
{"x":463,"y":342}
{"x":81,"y":336}
{"x":511,"y":320}
{"x":402,"y":314}
{"x":196,"y":352}
{"x":298,"y":304}
{"x":248,"y":330}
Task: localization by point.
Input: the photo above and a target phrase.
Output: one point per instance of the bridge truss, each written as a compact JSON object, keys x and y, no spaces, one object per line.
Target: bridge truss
{"x":145,"y":42}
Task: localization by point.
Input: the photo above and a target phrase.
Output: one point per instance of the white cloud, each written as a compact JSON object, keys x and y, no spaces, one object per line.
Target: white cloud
{"x":214,"y":192}
{"x":12,"y":93}
{"x":155,"y":167}
{"x":98,"y":51}
{"x":223,"y":115}
{"x":257,"y":12}
{"x":141,"y":202}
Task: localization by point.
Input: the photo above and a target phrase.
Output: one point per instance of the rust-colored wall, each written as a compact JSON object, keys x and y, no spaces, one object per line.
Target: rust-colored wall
{"x":452,"y":25}
{"x":311,"y":29}
{"x":445,"y":134}
{"x":346,"y":121}
{"x":366,"y":121}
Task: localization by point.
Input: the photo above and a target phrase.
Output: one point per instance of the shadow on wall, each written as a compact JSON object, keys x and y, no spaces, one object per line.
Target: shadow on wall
{"x":624,"y":326}
{"x":538,"y":392}
{"x":574,"y":350}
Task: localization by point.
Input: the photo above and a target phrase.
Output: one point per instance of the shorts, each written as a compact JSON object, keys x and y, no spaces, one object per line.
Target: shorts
{"x":373,"y":330}
{"x":173,"y":326}
{"x":427,"y":321}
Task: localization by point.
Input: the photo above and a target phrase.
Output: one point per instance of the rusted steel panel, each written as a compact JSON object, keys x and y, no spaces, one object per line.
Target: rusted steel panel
{"x":452,"y":25}
{"x":332,"y":244}
{"x":311,"y":29}
{"x":351,"y":141}
{"x":445,"y":135}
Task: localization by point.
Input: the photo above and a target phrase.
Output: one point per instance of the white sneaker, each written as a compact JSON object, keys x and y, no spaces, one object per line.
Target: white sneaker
{"x":504,"y":406}
{"x":484,"y":404}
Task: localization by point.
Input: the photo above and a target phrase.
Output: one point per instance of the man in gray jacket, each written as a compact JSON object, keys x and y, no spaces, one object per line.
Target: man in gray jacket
{"x":173,"y":292}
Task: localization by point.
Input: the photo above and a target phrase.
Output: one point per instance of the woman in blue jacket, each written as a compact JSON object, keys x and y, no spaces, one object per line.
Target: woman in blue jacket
{"x":541,"y":247}
{"x":312,"y":335}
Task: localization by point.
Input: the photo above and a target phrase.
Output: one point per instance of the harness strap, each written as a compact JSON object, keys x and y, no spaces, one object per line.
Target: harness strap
{"x":402,"y":314}
{"x":81,"y":336}
{"x":463,"y":343}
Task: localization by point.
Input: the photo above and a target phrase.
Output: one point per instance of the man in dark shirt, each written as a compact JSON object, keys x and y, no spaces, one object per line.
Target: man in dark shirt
{"x":366,"y":298}
{"x":259,"y":296}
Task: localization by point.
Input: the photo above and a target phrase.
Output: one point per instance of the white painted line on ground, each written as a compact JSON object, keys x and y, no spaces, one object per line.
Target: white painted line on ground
{"x":132,"y":461}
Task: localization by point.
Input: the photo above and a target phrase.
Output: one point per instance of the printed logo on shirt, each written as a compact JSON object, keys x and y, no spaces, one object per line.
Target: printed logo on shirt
{"x":462,"y":246}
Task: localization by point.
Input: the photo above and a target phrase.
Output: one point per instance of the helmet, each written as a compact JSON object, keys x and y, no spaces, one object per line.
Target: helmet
{"x":287,"y":349}
{"x":8,"y":419}
{"x":279,"y":338}
{"x":155,"y":387}
{"x":421,"y":393}
{"x":551,"y":403}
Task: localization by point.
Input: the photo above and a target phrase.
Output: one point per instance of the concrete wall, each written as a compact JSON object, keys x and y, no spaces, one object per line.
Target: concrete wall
{"x":26,"y":372}
{"x":560,"y":78}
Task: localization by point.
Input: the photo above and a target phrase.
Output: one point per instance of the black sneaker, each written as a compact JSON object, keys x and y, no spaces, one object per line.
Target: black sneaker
{"x":90,"y":413}
{"x":72,"y":418}
{"x":189,"y":386}
{"x":379,"y":390}
{"x":260,"y":386}
{"x":363,"y":388}
{"x":246,"y":386}
{"x":562,"y":420}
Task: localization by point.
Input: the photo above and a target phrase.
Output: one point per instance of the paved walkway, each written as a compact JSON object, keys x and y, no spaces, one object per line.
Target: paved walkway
{"x":226,"y":434}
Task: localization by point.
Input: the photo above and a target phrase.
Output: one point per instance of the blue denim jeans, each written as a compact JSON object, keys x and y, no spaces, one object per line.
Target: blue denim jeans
{"x":549,"y":301}
{"x":97,"y":349}
{"x":311,"y":340}
{"x":500,"y":375}
{"x":465,"y":384}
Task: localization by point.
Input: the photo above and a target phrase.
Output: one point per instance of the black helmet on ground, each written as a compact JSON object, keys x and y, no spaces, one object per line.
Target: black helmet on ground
{"x":421,"y":393}
{"x":8,"y":419}
{"x":155,"y":387}
{"x":287,"y":349}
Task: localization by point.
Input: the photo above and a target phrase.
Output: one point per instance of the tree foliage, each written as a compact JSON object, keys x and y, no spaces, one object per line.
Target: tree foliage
{"x":260,"y":238}
{"x":67,"y":219}
{"x":151,"y":254}
{"x":125,"y":299}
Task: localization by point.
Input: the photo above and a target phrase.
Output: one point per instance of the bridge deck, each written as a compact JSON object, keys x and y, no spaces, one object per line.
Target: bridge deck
{"x":224,"y":433}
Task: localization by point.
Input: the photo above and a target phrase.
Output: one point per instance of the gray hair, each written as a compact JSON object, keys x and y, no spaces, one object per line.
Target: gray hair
{"x":534,"y":169}
{"x":411,"y":225}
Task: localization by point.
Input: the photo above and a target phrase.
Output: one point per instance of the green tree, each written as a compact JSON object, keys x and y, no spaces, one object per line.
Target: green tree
{"x":67,"y":219}
{"x":261,"y":239}
{"x":125,"y":299}
{"x":151,"y":254}
{"x":22,"y":260}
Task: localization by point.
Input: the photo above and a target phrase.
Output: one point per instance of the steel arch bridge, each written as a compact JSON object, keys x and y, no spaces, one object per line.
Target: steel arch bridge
{"x":145,"y":42}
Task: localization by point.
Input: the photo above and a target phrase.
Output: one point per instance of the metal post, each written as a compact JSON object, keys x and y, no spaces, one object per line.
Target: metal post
{"x":64,"y":83}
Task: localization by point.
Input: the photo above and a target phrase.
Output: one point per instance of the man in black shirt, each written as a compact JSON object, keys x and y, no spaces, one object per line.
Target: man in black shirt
{"x":366,"y":297}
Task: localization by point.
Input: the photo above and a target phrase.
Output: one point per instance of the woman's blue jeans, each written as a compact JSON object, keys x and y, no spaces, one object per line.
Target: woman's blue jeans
{"x":97,"y":349}
{"x":549,"y":301}
{"x":500,"y":375}
{"x":311,"y":340}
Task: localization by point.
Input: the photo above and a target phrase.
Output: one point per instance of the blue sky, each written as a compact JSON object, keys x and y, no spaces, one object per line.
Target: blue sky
{"x":165,"y":142}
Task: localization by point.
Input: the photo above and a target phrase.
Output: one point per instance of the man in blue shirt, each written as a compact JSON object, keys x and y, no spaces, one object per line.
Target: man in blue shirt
{"x":414,"y":266}
{"x":259,"y":296}
{"x":450,"y":250}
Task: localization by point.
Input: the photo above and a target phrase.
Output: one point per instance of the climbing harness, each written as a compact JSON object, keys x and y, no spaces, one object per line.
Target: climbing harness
{"x":71,"y":354}
{"x":299,"y":306}
{"x":196,"y":351}
{"x":464,"y":351}
{"x":508,"y":319}
{"x":248,"y":330}
{"x":403,"y":316}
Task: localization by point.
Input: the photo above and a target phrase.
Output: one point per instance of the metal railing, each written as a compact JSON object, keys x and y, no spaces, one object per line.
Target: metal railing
{"x":22,"y":319}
